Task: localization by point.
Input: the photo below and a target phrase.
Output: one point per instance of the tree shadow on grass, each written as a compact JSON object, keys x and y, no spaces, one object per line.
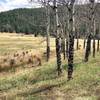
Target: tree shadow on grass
{"x":43,"y":75}
{"x":44,"y":88}
{"x":75,"y":65}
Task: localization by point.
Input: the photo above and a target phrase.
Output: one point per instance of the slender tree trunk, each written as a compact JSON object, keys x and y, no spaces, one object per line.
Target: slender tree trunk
{"x":67,"y":39}
{"x":71,"y":39}
{"x":63,"y":43}
{"x":87,"y":53}
{"x":48,"y":53}
{"x":77,"y":43}
{"x":63,"y":47}
{"x":94,"y":37}
{"x":70,"y":56}
{"x":67,"y":48}
{"x":58,"y":43}
{"x":98,"y":46}
{"x":48,"y":31}
{"x":91,"y":31}
{"x":90,"y":46}
{"x":58,"y":54}
{"x":85,"y":36}
{"x":67,"y":36}
{"x":84,"y":43}
{"x":77,"y":39}
{"x":94,"y":47}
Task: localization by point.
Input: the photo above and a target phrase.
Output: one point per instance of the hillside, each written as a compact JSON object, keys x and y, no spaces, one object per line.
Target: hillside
{"x":34,"y":20}
{"x":23,"y":21}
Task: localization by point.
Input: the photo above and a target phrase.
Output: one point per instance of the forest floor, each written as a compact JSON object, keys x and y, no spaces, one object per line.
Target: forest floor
{"x":24,"y":82}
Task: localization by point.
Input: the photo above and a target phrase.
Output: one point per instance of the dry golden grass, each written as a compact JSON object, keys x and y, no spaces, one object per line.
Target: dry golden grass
{"x":21,"y":48}
{"x":42,"y":83}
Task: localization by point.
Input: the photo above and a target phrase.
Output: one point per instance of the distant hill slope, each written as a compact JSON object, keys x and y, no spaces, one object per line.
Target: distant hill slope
{"x":23,"y":21}
{"x":34,"y":20}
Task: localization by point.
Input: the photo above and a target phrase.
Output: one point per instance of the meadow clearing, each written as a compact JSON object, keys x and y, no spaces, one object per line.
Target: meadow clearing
{"x":22,"y":79}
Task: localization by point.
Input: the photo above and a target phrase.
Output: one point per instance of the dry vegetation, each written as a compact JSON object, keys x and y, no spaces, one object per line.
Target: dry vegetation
{"x":22,"y":79}
{"x":20,"y":50}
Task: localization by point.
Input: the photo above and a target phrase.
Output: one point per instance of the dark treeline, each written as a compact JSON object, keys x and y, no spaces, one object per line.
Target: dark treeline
{"x":28,"y":21}
{"x":33,"y":21}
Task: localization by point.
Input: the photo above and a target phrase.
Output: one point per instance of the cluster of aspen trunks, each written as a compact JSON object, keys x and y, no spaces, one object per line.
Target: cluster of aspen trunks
{"x":65,"y":33}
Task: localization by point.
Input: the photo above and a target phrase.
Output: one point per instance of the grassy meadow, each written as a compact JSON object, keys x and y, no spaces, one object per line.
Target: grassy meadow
{"x":22,"y":79}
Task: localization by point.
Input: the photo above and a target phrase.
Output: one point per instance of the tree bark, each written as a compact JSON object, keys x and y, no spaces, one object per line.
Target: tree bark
{"x":58,"y":43}
{"x":94,"y":47}
{"x":67,"y":48}
{"x":91,"y":31}
{"x":94,"y":39}
{"x":84,"y":43}
{"x":70,"y":56}
{"x":63,"y":47}
{"x":58,"y":54}
{"x":87,"y":53}
{"x":48,"y":33}
{"x":71,"y":39}
{"x":77,"y":43}
{"x":98,"y":46}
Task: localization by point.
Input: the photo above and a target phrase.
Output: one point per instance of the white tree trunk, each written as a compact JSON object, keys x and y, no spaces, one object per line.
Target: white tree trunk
{"x":71,"y":39}
{"x":48,"y":31}
{"x":58,"y":42}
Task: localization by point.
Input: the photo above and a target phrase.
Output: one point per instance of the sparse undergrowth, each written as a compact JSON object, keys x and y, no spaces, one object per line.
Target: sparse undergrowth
{"x":42,"y":82}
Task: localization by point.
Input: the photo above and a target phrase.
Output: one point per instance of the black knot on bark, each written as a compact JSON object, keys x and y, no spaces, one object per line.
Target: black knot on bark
{"x":71,"y":20}
{"x":58,"y":25}
{"x":92,"y":1}
{"x":54,"y":7}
